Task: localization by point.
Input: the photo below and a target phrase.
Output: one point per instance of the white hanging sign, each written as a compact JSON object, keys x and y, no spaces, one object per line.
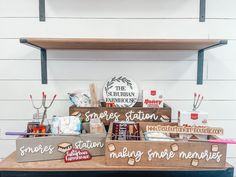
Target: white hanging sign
{"x":121,"y":91}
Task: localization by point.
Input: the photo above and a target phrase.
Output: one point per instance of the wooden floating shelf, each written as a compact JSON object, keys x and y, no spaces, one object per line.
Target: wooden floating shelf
{"x":199,"y":45}
{"x":120,"y":44}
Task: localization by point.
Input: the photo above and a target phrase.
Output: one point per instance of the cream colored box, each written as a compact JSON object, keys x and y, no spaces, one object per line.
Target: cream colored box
{"x":152,"y":98}
{"x":192,"y":118}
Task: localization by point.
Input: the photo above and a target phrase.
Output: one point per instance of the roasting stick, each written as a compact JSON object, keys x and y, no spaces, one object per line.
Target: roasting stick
{"x":46,"y":107}
{"x":42,"y":134}
{"x":36,"y":107}
{"x":94,"y":99}
{"x":197,"y":101}
{"x":199,"y":104}
{"x":194,"y":100}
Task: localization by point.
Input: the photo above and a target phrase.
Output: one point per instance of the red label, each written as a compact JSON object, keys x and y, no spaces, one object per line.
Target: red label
{"x":153,"y":92}
{"x":147,"y":101}
{"x":74,"y":155}
{"x":194,"y":116}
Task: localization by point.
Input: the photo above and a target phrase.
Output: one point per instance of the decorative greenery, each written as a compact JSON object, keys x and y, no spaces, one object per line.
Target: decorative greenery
{"x":110,"y":83}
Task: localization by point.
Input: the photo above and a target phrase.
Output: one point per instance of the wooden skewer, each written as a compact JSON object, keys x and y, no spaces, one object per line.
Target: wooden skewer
{"x":94,"y":99}
{"x":46,"y":107}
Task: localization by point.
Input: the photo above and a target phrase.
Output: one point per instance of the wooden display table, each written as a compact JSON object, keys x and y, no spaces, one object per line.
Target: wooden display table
{"x":96,"y":167}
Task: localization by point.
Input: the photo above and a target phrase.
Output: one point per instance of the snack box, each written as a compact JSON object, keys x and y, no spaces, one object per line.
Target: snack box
{"x":192,"y":118}
{"x":54,"y":147}
{"x":173,"y":153}
{"x":136,"y":113}
{"x":153,"y":98}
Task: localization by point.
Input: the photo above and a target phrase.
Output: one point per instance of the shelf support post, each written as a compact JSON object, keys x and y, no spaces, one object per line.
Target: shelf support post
{"x":44,"y":66}
{"x":202,"y":13}
{"x":42,"y":10}
{"x":200,"y":65}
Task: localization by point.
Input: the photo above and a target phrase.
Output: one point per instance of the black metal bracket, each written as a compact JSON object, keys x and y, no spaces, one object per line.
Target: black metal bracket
{"x":44,"y":72}
{"x":43,"y":54}
{"x":200,"y":63}
{"x":202,"y":11}
{"x":42,"y":17}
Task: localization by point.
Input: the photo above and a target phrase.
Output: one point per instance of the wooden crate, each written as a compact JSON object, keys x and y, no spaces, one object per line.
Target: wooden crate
{"x":164,"y":154}
{"x":47,"y":148}
{"x":137,"y":113}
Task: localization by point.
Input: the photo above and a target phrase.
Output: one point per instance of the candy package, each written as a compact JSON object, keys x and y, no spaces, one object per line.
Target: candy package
{"x":96,"y":126}
{"x":80,"y":99}
{"x":66,"y":125}
{"x":126,"y":131}
{"x":157,"y":136}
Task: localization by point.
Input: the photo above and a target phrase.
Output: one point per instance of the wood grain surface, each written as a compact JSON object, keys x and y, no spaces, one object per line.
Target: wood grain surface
{"x":96,"y":164}
{"x":120,"y":44}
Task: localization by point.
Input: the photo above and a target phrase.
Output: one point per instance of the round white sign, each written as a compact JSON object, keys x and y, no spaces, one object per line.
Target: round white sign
{"x":121,"y":91}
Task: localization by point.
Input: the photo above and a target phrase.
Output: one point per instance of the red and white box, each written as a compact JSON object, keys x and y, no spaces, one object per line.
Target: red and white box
{"x":152,"y":98}
{"x":192,"y":118}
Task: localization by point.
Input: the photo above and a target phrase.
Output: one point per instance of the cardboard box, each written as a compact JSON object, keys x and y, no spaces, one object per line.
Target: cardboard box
{"x":192,"y":118}
{"x":54,"y":147}
{"x":153,"y":98}
{"x":164,"y":153}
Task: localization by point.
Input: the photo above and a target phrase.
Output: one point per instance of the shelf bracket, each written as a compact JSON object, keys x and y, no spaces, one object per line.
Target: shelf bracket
{"x":200,"y":65}
{"x":44,"y":66}
{"x":42,"y":17}
{"x":202,"y":13}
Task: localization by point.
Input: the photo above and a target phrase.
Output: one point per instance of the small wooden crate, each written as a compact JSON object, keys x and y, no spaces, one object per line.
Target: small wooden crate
{"x":48,"y":147}
{"x":136,"y":113}
{"x":164,"y":154}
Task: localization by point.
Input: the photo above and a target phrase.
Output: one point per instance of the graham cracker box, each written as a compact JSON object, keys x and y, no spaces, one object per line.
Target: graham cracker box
{"x":192,"y":118}
{"x":153,"y":98}
{"x":54,"y":147}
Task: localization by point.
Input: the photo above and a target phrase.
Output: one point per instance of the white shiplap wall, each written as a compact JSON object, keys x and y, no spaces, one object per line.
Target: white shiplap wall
{"x":174,"y":72}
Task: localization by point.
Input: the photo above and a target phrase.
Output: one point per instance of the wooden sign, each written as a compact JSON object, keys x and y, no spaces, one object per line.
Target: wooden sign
{"x":108,"y":115}
{"x":54,"y":147}
{"x":198,"y":130}
{"x":122,"y":91}
{"x":74,"y":155}
{"x":164,"y":153}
